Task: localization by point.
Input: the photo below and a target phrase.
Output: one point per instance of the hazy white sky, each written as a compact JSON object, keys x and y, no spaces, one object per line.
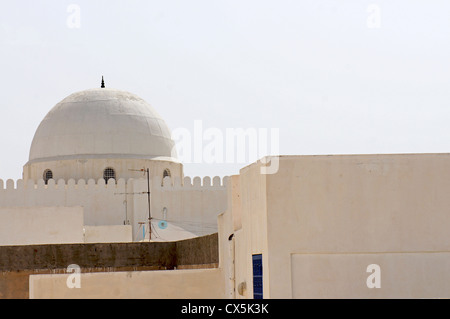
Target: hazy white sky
{"x":320,"y":71}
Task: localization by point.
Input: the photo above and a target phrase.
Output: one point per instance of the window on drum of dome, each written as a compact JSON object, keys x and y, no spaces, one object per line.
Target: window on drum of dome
{"x":48,"y":175}
{"x":165,"y":174}
{"x":109,"y":173}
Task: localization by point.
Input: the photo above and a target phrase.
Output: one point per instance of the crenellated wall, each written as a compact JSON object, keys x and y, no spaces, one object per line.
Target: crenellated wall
{"x":192,"y":204}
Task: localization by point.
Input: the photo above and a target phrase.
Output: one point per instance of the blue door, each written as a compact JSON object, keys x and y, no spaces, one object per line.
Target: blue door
{"x":257,"y":277}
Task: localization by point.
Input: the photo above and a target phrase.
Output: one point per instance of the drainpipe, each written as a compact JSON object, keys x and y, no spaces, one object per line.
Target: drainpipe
{"x":233,"y":266}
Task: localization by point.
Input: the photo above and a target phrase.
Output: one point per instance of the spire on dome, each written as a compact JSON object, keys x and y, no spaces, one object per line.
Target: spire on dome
{"x":103,"y":83}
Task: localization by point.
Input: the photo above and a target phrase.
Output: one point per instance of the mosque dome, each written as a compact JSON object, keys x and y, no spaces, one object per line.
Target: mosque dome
{"x":101,"y":123}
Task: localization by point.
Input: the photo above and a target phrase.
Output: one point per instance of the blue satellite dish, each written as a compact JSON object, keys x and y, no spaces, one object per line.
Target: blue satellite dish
{"x":162,"y":224}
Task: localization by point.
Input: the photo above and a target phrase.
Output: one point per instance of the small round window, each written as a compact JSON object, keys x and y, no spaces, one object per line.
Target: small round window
{"x":48,"y":175}
{"x":109,"y":173}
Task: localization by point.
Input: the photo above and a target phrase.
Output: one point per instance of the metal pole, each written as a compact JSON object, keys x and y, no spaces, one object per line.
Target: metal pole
{"x":146,"y":171}
{"x":149,"y":212}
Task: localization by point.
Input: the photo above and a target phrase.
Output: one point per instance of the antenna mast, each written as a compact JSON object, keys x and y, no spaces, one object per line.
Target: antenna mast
{"x":147,"y":171}
{"x":149,"y":212}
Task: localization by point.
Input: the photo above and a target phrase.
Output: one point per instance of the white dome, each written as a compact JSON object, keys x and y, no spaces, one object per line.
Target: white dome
{"x":101,"y":123}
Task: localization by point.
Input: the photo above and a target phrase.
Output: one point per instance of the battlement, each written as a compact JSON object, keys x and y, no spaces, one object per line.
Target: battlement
{"x":191,"y":202}
{"x":155,"y":183}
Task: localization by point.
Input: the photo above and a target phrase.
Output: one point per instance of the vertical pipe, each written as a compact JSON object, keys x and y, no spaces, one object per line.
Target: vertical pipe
{"x":149,"y":213}
{"x":232,"y":265}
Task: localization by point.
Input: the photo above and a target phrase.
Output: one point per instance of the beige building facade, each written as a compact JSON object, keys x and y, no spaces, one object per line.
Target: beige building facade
{"x":356,"y":226}
{"x":332,"y":226}
{"x":339,"y":226}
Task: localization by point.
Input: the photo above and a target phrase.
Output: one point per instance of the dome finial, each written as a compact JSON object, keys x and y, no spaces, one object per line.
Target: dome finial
{"x":103,"y":83}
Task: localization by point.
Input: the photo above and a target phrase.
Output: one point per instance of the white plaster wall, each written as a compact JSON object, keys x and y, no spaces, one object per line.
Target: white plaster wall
{"x":191,"y":205}
{"x":226,"y":254}
{"x":166,"y":284}
{"x":402,"y":275}
{"x":234,"y":252}
{"x":320,"y":219}
{"x":102,"y":205}
{"x":41,"y":225}
{"x":108,"y":234}
{"x":377,"y":204}
{"x":254,"y":237}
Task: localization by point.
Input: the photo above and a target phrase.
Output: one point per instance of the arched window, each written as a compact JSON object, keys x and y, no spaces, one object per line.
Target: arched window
{"x":109,"y":173}
{"x":166,"y":173}
{"x":48,"y":175}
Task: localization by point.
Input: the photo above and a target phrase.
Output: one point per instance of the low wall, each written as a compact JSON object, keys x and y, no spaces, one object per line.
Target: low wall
{"x":17,"y":263}
{"x":178,"y":284}
{"x":108,"y":234}
{"x":41,"y":225}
